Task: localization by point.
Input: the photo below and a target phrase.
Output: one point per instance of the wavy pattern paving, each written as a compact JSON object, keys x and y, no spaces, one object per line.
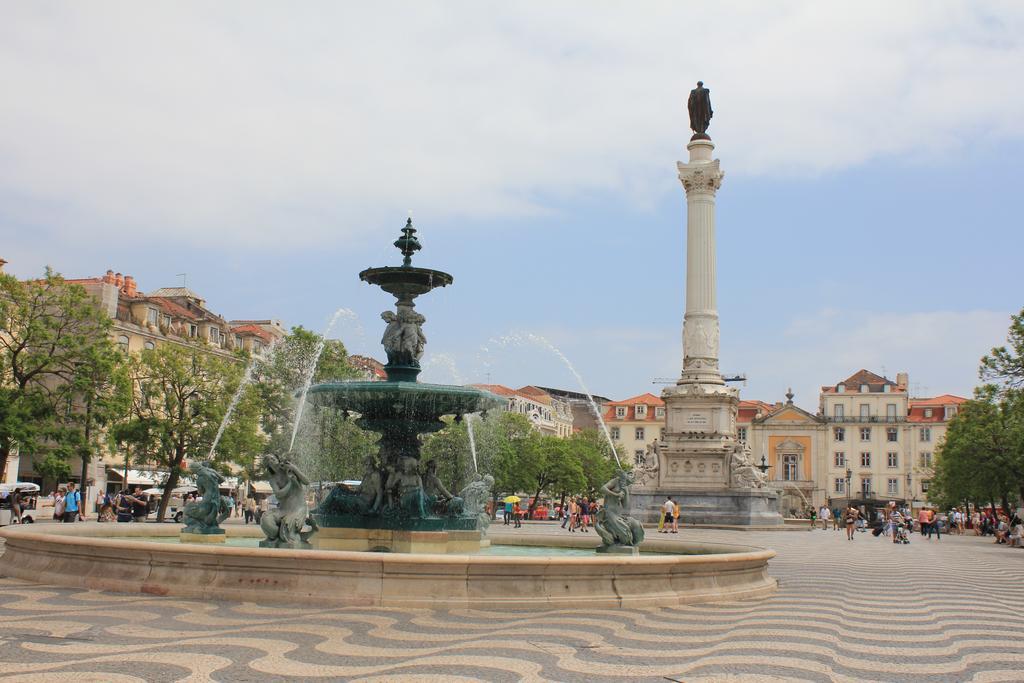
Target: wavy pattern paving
{"x":860,"y":611}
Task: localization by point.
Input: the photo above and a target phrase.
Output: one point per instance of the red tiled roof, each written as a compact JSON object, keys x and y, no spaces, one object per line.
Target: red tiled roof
{"x":175,"y":309}
{"x":937,"y":404}
{"x":648,"y":399}
{"x":853,"y":382}
{"x":748,"y":410}
{"x":499,"y":389}
{"x":254,"y":330}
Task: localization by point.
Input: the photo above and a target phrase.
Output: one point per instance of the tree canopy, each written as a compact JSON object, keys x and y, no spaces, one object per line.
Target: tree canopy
{"x":54,"y":344}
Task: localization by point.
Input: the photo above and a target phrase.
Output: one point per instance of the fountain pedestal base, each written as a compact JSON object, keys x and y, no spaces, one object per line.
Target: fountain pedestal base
{"x":186,"y":537}
{"x":397,"y":541}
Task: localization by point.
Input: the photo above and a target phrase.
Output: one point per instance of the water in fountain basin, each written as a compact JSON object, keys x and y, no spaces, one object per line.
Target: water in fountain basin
{"x":311,"y":369}
{"x":538,"y":340}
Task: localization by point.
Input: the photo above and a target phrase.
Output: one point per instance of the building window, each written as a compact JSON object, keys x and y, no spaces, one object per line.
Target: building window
{"x":152,"y":315}
{"x":840,"y":459}
{"x":949,"y":412}
{"x":789,"y":468}
{"x":865,"y":487}
{"x":892,"y":434}
{"x":214,"y":335}
{"x":926,"y":459}
{"x":149,"y":346}
{"x":865,"y":460}
{"x":614,"y":433}
{"x":659,"y":412}
{"x":640,"y":411}
{"x":840,"y":388}
{"x":892,"y":460}
{"x":926,"y":433}
{"x":892,"y":486}
{"x":167,"y":321}
{"x":927,"y":412}
{"x":193,"y":331}
{"x":864,"y":388}
{"x":890,"y":411}
{"x":638,"y":457}
{"x":924,"y":485}
{"x":865,"y":411}
{"x":838,"y":411}
{"x":839,"y":433}
{"x":840,"y":485}
{"x":865,"y":433}
{"x":620,"y":411}
{"x":122,"y":343}
{"x":741,"y":434}
{"x":257,"y":347}
{"x":639,"y":434}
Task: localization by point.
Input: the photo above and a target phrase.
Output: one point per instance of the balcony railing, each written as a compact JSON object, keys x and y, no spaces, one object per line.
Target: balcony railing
{"x":870,"y":419}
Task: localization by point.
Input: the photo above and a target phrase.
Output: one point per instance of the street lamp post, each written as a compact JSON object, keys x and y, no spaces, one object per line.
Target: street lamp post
{"x":849,"y":484}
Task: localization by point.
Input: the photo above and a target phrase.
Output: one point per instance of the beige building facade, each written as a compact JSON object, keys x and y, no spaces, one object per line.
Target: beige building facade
{"x":548,"y":414}
{"x":635,"y":425}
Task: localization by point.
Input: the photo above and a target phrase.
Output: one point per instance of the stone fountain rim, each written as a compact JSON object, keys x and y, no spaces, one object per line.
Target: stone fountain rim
{"x":94,"y":534}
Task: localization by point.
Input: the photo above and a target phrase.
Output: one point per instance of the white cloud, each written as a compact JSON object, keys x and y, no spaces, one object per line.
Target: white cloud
{"x":272,"y":123}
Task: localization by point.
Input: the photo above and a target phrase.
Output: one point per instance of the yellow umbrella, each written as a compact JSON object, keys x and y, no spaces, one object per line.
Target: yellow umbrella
{"x":511,"y":499}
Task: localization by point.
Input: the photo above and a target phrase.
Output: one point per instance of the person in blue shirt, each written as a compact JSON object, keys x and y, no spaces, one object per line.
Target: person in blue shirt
{"x":72,"y":503}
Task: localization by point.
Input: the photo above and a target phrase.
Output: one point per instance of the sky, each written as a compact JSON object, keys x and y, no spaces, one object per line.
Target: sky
{"x":869,"y":216}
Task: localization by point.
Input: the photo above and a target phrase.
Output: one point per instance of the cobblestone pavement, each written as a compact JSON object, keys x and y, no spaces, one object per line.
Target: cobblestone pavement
{"x":865,"y":610}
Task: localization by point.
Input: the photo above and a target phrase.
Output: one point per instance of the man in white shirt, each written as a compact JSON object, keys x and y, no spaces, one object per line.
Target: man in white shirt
{"x":824,"y":514}
{"x":671,"y":511}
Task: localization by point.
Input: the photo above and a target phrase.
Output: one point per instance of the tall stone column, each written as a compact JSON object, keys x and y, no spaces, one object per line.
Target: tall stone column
{"x":701,"y":178}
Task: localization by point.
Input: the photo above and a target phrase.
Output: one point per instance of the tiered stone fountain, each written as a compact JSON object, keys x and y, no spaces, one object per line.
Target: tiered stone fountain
{"x":400,"y":506}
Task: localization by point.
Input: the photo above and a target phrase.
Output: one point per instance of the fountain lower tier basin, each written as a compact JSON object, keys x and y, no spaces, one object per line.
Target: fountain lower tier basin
{"x":124,"y":558}
{"x":402,"y":406}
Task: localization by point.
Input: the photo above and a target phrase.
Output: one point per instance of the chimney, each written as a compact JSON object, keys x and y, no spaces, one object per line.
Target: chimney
{"x":902,"y":381}
{"x":2,"y":263}
{"x":109,"y":277}
{"x":118,"y":280}
{"x":129,"y":285}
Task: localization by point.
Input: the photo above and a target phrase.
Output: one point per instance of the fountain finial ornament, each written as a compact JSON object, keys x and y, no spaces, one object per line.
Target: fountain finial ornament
{"x":699,"y":106}
{"x":408,"y":243}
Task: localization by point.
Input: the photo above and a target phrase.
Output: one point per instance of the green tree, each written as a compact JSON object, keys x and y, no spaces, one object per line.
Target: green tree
{"x":1005,"y":364}
{"x":100,"y":394}
{"x":182,"y":395}
{"x":982,"y":456}
{"x":49,"y":331}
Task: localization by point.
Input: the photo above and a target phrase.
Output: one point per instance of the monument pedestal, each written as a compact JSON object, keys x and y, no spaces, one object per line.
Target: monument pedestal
{"x":729,"y":507}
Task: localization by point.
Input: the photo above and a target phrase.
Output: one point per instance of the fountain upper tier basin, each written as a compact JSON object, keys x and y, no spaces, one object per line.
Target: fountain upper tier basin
{"x":379,"y":402}
{"x":112,"y":557}
{"x":405,"y":281}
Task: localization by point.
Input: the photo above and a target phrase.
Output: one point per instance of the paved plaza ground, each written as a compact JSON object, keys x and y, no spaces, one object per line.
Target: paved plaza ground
{"x":865,"y":610}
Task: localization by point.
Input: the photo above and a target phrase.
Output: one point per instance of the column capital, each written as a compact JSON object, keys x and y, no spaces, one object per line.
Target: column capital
{"x":703,"y":177}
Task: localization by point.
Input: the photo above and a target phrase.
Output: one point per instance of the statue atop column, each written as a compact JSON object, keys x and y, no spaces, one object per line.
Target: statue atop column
{"x":699,"y":106}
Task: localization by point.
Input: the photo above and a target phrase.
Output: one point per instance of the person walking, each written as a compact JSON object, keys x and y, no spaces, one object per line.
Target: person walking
{"x":508,"y":512}
{"x":837,"y":517}
{"x":922,"y":520}
{"x":933,"y":525}
{"x":72,"y":504}
{"x":813,"y":514}
{"x":824,"y":514}
{"x":250,"y":510}
{"x":850,"y":517}
{"x":16,"y":507}
{"x":517,"y":514}
{"x":106,"y":509}
{"x":667,"y":509}
{"x":585,"y":515}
